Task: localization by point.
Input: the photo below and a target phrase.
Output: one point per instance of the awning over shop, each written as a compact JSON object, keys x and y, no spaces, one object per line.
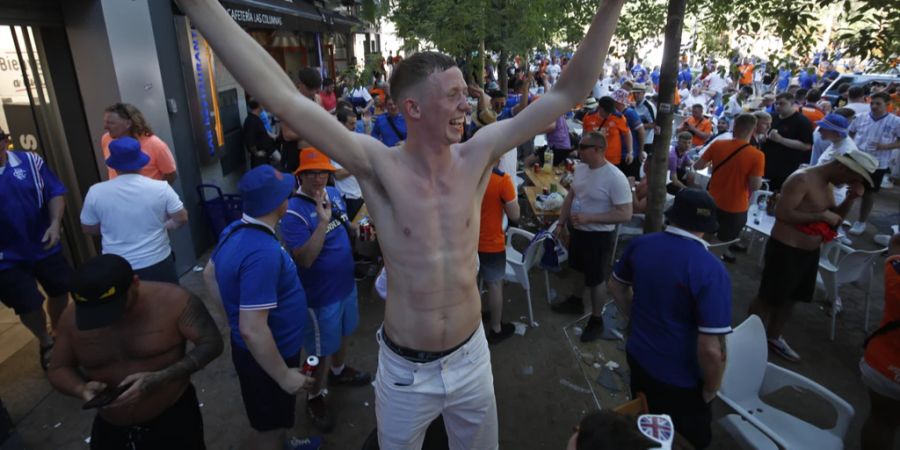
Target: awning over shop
{"x":276,"y":14}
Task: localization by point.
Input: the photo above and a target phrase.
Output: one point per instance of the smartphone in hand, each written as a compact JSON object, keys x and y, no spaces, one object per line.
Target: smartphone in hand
{"x":106,"y":397}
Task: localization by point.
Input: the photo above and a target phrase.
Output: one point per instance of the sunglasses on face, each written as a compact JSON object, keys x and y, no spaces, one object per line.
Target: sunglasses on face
{"x":586,"y":146}
{"x":315,"y":173}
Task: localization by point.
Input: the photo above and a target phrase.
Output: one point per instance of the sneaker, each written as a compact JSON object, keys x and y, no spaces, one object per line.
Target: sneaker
{"x":845,"y":240}
{"x":593,"y":329}
{"x":307,"y":443}
{"x":318,"y":413}
{"x":571,"y":305}
{"x":350,"y":377}
{"x":738,"y":248}
{"x":858,"y":228}
{"x":729,"y":257}
{"x":506,"y":330}
{"x":784,"y":350}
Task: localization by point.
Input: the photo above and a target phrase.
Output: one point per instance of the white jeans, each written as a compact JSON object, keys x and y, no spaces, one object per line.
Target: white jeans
{"x":409,"y":396}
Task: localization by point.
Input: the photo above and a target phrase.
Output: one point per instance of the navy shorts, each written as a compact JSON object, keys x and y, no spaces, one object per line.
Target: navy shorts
{"x":268,"y":407}
{"x":18,"y":284}
{"x":492,"y":265}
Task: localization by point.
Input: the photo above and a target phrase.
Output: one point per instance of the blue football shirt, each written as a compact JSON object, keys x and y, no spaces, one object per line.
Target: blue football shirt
{"x":26,"y":187}
{"x":330,"y":278}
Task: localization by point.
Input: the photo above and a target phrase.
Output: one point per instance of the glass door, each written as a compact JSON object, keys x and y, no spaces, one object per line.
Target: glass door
{"x":31,"y":116}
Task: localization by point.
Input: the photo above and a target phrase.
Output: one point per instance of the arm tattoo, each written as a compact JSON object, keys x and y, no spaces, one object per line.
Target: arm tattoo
{"x":207,"y":346}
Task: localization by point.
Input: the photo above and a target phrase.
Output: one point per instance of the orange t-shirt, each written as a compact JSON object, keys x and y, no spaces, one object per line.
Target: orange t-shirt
{"x":500,"y":191}
{"x":614,"y":128}
{"x":813,"y":114}
{"x":883,"y":352}
{"x":746,"y":74}
{"x":161,"y":162}
{"x":704,"y":125}
{"x":677,"y":99}
{"x":729,"y":185}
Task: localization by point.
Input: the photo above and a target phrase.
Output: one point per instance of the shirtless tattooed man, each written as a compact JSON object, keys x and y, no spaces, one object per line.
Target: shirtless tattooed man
{"x":806,"y":216}
{"x":425,"y":195}
{"x":127,"y":334}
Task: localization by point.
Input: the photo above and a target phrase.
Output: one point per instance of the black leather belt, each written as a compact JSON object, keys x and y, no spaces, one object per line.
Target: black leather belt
{"x":419,"y":356}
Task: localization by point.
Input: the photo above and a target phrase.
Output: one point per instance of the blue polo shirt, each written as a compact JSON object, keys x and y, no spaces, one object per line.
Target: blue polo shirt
{"x":680,"y":291}
{"x":254,"y":273}
{"x":383,"y":131}
{"x":330,"y":278}
{"x":633,"y":119}
{"x":26,"y":187}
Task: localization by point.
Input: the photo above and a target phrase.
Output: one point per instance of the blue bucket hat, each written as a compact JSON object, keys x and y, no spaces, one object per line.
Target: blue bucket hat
{"x":693,"y":210}
{"x":125,"y":155}
{"x":263,"y":189}
{"x":835,"y":122}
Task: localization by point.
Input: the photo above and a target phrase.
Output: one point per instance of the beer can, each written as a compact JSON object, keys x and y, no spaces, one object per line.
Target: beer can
{"x":546,"y":190}
{"x":536,"y":167}
{"x":310,"y":365}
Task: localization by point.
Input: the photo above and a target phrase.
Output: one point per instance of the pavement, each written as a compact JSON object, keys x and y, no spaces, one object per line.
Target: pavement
{"x":540,"y":382}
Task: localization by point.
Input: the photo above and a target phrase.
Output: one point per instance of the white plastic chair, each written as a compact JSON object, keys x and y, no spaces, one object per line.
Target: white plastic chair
{"x":748,"y":375}
{"x":747,"y":436}
{"x":840,"y":265}
{"x":517,"y":268}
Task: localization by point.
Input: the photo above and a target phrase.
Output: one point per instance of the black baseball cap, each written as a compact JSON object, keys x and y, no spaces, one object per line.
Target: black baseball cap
{"x":100,"y":290}
{"x":693,"y":210}
{"x":3,"y":135}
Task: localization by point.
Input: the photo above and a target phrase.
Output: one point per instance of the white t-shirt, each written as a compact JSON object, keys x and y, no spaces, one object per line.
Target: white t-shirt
{"x":554,"y":70}
{"x":132,"y":211}
{"x":859,"y":108}
{"x":691,"y":100}
{"x":841,"y":147}
{"x":602,"y":88}
{"x":361,"y":92}
{"x":349,"y":187}
{"x":716,"y":82}
{"x":598,"y":191}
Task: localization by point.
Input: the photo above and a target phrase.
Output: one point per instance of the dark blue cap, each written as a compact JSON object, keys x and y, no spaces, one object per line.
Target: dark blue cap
{"x":263,"y":189}
{"x":693,"y":210}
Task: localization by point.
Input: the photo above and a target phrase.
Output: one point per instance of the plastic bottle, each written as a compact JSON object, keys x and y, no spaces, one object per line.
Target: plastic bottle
{"x":548,"y":160}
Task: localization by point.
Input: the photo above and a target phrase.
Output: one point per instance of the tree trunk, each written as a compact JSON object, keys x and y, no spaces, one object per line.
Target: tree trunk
{"x":502,"y":75}
{"x":659,"y":166}
{"x":479,"y":64}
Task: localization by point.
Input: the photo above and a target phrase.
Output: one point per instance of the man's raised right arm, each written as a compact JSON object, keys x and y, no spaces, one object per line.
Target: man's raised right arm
{"x":260,"y":75}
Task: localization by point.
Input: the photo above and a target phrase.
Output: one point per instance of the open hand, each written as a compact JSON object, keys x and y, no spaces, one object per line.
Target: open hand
{"x":51,"y":236}
{"x":141,"y":383}
{"x":475,"y":91}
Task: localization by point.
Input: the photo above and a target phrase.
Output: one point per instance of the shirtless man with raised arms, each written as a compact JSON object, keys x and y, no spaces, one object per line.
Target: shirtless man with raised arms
{"x":425,"y":196}
{"x":806,"y":216}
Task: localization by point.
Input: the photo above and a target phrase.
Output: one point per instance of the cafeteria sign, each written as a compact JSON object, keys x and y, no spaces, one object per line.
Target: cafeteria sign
{"x":247,"y":16}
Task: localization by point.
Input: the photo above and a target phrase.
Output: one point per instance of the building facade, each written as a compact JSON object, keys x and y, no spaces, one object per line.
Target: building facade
{"x":62,"y":62}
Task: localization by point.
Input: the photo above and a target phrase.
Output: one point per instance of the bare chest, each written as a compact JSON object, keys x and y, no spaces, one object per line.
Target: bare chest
{"x":96,"y":350}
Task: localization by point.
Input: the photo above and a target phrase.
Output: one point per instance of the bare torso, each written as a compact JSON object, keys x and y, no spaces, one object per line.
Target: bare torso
{"x":817,"y":197}
{"x":145,"y":340}
{"x":428,"y":229}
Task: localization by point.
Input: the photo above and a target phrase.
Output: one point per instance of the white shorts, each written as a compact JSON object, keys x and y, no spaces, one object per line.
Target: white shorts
{"x":877,"y":382}
{"x":409,"y":396}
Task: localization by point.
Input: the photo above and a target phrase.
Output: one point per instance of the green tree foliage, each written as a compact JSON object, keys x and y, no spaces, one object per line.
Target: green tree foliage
{"x":872,"y":31}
